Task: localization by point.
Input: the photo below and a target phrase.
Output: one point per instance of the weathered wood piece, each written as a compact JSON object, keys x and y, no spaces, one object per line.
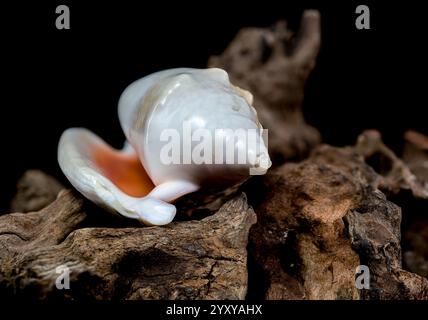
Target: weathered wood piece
{"x":205,"y":259}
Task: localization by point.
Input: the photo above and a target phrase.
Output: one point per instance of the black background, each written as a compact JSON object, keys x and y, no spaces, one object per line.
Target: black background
{"x":54,"y":79}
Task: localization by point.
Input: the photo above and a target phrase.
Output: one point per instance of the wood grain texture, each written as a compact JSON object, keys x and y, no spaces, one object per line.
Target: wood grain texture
{"x":205,"y":259}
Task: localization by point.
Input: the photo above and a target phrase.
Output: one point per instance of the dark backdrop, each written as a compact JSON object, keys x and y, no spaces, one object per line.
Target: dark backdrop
{"x":54,"y":79}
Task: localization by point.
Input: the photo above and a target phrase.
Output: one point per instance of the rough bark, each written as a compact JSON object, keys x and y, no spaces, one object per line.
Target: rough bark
{"x":415,"y":250}
{"x":274,"y":66}
{"x":415,"y":235}
{"x":203,"y":259}
{"x":318,"y":220}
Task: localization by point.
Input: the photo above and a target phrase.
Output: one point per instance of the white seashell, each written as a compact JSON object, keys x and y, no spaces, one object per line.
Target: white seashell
{"x":136,"y":181}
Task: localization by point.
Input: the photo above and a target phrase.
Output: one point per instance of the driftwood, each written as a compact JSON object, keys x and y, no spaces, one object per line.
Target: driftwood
{"x":203,"y":259}
{"x":274,"y":66}
{"x":415,"y":251}
{"x":416,"y":155}
{"x":318,"y":221}
{"x":35,"y":190}
{"x":394,"y":174}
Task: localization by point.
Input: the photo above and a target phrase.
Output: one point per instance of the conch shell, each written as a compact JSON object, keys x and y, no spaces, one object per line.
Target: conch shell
{"x":165,"y":117}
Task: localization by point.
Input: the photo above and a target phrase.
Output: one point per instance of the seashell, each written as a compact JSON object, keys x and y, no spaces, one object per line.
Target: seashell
{"x":143,"y":179}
